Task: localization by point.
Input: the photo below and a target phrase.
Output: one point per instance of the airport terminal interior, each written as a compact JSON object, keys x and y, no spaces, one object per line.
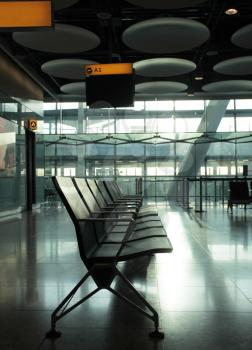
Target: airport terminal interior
{"x":163,"y":153}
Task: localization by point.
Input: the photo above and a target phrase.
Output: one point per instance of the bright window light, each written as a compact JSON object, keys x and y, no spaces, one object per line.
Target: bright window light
{"x":243,"y":104}
{"x":49,"y":106}
{"x":195,"y":105}
{"x":159,"y":105}
{"x":230,"y":105}
{"x":68,"y":105}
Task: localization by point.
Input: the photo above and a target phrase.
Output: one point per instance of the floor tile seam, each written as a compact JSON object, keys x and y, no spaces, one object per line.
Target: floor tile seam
{"x":117,"y":328}
{"x":168,"y":310}
{"x":39,"y":262}
{"x":161,"y":310}
{"x":207,"y":285}
{"x":240,"y":290}
{"x":206,"y":312}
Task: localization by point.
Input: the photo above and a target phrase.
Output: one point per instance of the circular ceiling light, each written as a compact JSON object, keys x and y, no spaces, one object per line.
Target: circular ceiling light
{"x":235,"y":66}
{"x":63,"y":39}
{"x":160,"y":87}
{"x":231,"y":12}
{"x":165,"y":4}
{"x":229,"y":86}
{"x":66,"y":68}
{"x":242,"y":37}
{"x":165,"y":35}
{"x":199,"y":78}
{"x":78,"y":88}
{"x":163,"y":67}
{"x":61,"y":4}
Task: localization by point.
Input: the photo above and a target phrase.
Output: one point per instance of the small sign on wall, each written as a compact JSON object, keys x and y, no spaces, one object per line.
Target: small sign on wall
{"x":32,"y":124}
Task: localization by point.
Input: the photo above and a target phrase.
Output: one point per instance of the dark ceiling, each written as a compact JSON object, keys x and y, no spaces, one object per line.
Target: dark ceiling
{"x":120,"y":14}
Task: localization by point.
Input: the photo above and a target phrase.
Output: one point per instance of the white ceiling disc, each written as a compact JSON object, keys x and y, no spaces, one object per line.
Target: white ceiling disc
{"x":78,"y":88}
{"x":66,"y":68}
{"x":242,"y":37}
{"x":61,"y":4}
{"x":235,"y":66}
{"x":165,"y":35}
{"x":165,"y":4}
{"x":160,"y":87}
{"x":163,"y":67}
{"x":150,"y":97}
{"x":63,"y":39}
{"x":228,"y":86}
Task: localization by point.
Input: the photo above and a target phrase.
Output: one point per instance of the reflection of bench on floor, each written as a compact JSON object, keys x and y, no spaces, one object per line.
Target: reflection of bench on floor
{"x":104,"y":239}
{"x":239,"y":194}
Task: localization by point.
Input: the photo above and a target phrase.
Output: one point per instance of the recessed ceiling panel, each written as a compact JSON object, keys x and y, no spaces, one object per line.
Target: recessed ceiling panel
{"x":160,"y":87}
{"x":163,"y":67}
{"x":242,"y":37}
{"x":235,"y":66}
{"x":78,"y":88}
{"x":61,"y":4}
{"x":66,"y":68}
{"x":63,"y":39}
{"x":228,"y":86}
{"x":165,"y":4}
{"x":165,"y":35}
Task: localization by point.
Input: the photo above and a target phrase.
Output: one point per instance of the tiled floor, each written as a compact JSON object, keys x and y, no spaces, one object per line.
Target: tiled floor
{"x":203,"y":290}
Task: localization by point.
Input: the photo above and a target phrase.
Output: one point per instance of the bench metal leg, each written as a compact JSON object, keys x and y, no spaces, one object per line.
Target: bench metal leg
{"x":103,"y":276}
{"x":62,"y":308}
{"x":154,"y":317}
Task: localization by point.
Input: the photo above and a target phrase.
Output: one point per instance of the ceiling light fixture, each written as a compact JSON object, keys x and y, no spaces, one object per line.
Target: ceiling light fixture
{"x":190,"y":92}
{"x":231,"y":11}
{"x":199,"y":77}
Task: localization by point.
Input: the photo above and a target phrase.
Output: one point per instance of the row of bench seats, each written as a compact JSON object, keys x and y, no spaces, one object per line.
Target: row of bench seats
{"x":110,"y":227}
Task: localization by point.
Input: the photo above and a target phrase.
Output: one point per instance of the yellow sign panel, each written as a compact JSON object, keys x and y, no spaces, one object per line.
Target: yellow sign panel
{"x":25,"y":14}
{"x":108,"y":69}
{"x":32,"y":124}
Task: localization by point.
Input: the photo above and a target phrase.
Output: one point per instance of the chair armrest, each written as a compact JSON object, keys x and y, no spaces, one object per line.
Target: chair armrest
{"x":108,"y":219}
{"x":114,"y":212}
{"x":125,"y":239}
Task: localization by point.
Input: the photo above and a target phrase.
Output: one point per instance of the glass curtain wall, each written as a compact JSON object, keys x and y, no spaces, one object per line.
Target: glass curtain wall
{"x":13,"y":115}
{"x":160,"y":141}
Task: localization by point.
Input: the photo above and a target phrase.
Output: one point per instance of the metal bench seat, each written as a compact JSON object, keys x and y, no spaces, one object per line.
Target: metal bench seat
{"x":115,"y":195}
{"x":152,"y":245}
{"x":90,"y":199}
{"x":117,"y":236}
{"x":101,"y":257}
{"x":142,"y":212}
{"x":123,"y":195}
{"x":102,"y":203}
{"x":146,"y":224}
{"x":144,"y":227}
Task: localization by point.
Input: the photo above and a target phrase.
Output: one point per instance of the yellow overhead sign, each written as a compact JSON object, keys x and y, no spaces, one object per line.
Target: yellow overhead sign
{"x":108,"y":69}
{"x":25,"y":14}
{"x":32,"y":124}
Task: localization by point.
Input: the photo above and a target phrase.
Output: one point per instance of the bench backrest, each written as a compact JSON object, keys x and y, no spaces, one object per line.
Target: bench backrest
{"x":96,"y":193}
{"x":104,"y":191}
{"x":87,"y":195}
{"x":110,"y":188}
{"x":86,"y":231}
{"x":239,"y":190}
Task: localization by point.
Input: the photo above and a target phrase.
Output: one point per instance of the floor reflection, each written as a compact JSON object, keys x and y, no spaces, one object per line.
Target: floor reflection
{"x":203,"y":290}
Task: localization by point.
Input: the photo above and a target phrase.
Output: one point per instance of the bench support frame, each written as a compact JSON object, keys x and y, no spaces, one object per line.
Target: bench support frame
{"x":103,"y":275}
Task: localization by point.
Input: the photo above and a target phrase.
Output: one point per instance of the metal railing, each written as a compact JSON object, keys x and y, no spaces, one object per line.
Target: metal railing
{"x":188,"y":192}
